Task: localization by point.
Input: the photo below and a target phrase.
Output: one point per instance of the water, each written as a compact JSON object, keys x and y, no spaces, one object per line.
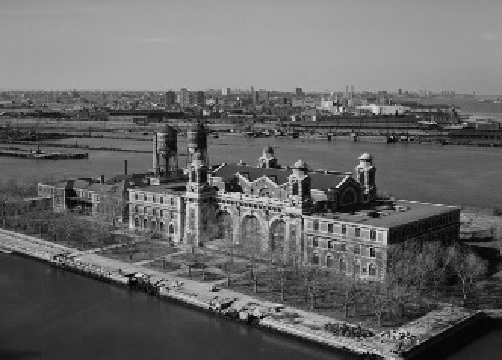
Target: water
{"x":47,"y":313}
{"x":467,"y":176}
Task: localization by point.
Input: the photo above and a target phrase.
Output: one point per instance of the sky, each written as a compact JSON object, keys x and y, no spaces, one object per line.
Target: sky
{"x":271,"y":44}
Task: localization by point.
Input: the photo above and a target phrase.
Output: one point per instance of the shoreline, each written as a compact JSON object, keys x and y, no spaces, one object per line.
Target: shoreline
{"x":239,"y":307}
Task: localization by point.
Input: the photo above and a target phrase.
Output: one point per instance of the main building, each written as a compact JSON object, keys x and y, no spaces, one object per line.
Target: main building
{"x":326,"y":218}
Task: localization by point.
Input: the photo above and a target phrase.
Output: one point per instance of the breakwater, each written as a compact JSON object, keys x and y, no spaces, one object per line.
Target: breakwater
{"x":77,"y":146}
{"x":306,"y":326}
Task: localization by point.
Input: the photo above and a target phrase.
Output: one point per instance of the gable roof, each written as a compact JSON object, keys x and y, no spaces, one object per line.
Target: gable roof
{"x":279,"y":176}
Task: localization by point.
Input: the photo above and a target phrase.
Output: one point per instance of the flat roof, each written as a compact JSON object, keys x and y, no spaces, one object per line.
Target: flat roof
{"x":163,"y":188}
{"x":402,"y":213}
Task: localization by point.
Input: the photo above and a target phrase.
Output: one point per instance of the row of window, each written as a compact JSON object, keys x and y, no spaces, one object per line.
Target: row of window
{"x":159,"y":199}
{"x":342,"y":247}
{"x":343,"y":231}
{"x":341,"y":265}
{"x":254,"y":206}
{"x":154,"y":212}
{"x":153,"y":225}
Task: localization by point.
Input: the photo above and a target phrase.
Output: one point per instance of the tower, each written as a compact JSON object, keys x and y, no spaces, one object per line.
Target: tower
{"x":300,"y":185}
{"x":198,"y":205}
{"x":268,"y":159}
{"x":365,"y":175}
{"x":165,"y":152}
{"x":197,"y":142}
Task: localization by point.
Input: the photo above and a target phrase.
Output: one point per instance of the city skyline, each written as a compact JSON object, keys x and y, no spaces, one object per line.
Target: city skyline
{"x":160,"y":45}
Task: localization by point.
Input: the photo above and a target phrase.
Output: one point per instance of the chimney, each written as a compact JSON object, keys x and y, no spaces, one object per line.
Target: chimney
{"x":125,"y":167}
{"x":102,"y":179}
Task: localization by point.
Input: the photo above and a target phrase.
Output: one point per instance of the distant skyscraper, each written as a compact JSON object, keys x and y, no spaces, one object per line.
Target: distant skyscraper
{"x":299,"y":91}
{"x":184,"y":97}
{"x":200,"y":98}
{"x":400,"y":92}
{"x":352,"y":92}
{"x":346,"y":91}
{"x":263,"y":97}
{"x":225,"y":91}
{"x":170,"y":98}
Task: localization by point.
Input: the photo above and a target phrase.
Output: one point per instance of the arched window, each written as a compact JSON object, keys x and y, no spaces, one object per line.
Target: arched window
{"x":349,"y":197}
{"x":329,"y":261}
{"x":251,"y":234}
{"x":315,"y":259}
{"x":224,"y":221}
{"x":264,"y":193}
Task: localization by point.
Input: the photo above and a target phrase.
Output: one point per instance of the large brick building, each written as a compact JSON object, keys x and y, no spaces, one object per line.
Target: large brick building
{"x":326,"y":218}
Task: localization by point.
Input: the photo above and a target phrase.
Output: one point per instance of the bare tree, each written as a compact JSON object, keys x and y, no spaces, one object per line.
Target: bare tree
{"x":467,"y":266}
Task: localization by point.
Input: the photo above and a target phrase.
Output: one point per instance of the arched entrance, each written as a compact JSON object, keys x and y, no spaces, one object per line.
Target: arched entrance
{"x":250,"y":233}
{"x":277,"y":236}
{"x":224,"y":221}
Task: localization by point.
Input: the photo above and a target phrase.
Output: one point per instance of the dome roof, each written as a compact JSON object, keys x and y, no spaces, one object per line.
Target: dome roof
{"x":268,"y":150}
{"x":366,"y":157}
{"x":300,"y":164}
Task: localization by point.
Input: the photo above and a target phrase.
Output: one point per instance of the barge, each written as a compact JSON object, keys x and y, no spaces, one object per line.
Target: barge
{"x":40,"y":154}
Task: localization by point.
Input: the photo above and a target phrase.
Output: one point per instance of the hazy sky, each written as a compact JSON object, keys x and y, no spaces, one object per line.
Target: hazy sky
{"x":273,"y":44}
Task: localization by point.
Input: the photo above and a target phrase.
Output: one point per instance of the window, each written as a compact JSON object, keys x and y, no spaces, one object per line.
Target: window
{"x":331,"y":245}
{"x":344,"y":229}
{"x":136,"y":223}
{"x":145,"y":210}
{"x":343,"y":247}
{"x":171,"y":229}
{"x":154,"y":198}
{"x":372,"y":234}
{"x":315,"y":259}
{"x":145,"y":197}
{"x":154,"y":211}
{"x":172,"y":201}
{"x":330,"y":228}
{"x":358,"y":232}
{"x":316,"y":225}
{"x":357,"y":249}
{"x":136,"y":209}
{"x":161,"y":212}
{"x":372,"y":269}
{"x":329,"y":261}
{"x":357,"y":268}
{"x":343,"y":266}
{"x":161,"y":226}
{"x":136,"y":196}
{"x":315,"y":242}
{"x":161,"y":199}
{"x":372,"y":252}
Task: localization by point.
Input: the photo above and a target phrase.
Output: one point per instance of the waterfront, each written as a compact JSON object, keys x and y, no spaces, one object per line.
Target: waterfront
{"x":51,"y":314}
{"x":457,"y":175}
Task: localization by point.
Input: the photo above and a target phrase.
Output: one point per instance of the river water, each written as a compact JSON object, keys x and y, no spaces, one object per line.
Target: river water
{"x":49,"y":314}
{"x":468,"y":176}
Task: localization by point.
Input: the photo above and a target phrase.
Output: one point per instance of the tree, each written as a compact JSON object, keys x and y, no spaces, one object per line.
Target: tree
{"x":467,"y":266}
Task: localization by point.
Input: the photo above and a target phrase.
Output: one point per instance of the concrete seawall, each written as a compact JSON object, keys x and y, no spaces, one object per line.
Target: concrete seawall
{"x":307,"y":326}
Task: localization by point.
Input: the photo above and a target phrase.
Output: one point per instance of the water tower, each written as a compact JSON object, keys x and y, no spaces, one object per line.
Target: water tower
{"x":197,"y":142}
{"x":165,"y":152}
